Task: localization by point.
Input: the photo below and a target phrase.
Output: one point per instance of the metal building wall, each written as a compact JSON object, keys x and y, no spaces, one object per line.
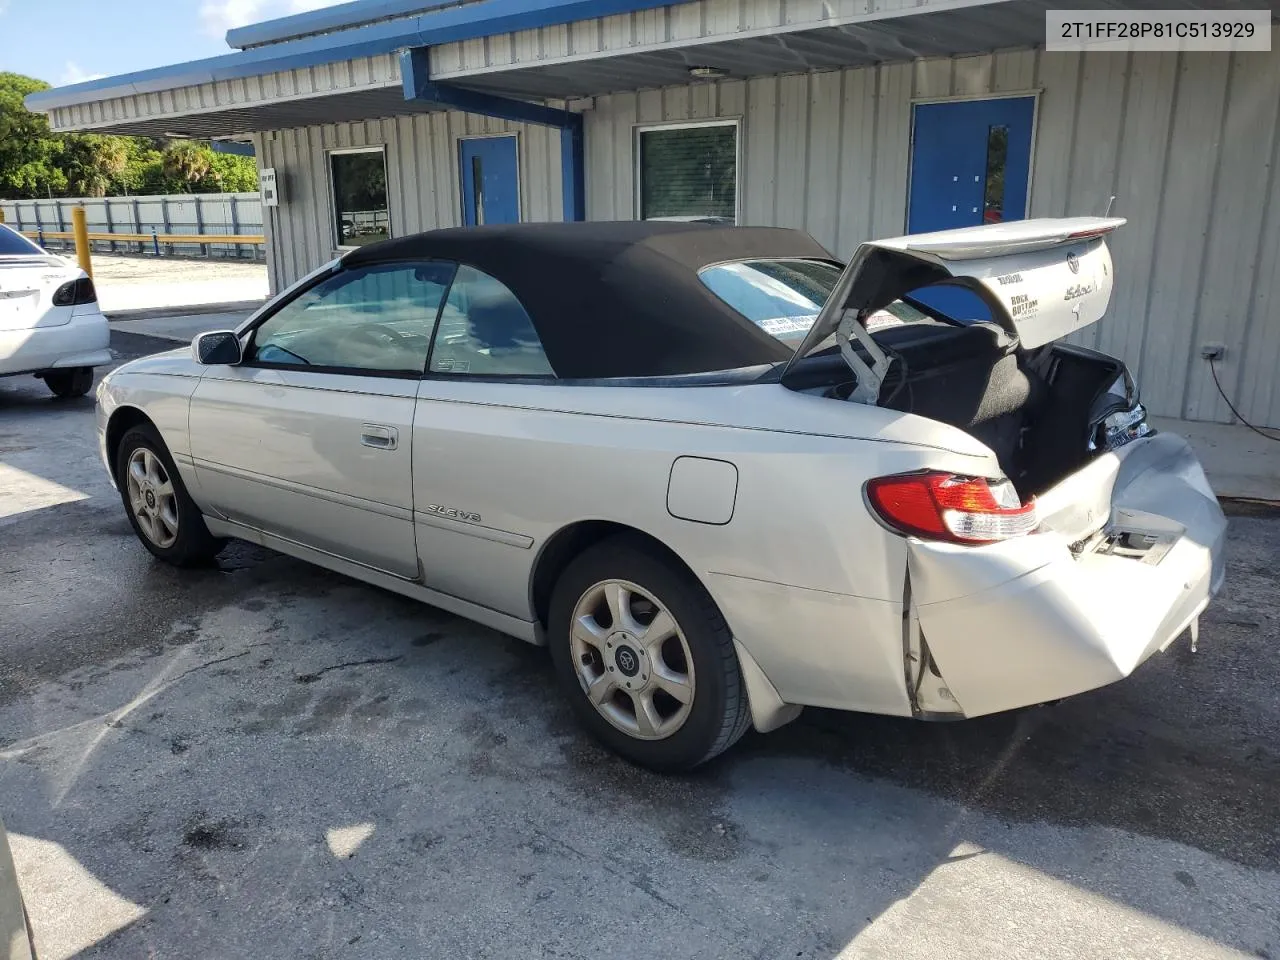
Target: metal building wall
{"x":1187,"y":144}
{"x":422,"y":180}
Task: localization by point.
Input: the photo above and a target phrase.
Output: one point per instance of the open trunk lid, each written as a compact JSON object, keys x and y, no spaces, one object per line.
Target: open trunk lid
{"x":1042,"y":279}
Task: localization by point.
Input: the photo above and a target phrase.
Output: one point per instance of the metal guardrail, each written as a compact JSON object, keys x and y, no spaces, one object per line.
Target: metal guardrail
{"x":184,"y":223}
{"x":154,"y":237}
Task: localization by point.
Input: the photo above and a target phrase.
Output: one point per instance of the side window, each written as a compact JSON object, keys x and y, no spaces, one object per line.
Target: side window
{"x":377,"y":318}
{"x":484,"y":331}
{"x":781,"y":297}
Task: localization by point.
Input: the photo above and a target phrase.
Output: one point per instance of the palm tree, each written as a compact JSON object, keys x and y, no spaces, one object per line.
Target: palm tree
{"x":187,"y":161}
{"x":94,"y":163}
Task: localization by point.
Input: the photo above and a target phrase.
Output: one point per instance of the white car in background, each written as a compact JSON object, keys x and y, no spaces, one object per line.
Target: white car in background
{"x":721,"y":475}
{"x":50,"y":324}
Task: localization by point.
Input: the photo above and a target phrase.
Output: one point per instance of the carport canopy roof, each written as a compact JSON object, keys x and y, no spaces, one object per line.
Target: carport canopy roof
{"x":342,"y":64}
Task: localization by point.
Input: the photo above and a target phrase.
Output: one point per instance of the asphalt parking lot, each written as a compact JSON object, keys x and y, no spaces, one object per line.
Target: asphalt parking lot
{"x":266,"y":759}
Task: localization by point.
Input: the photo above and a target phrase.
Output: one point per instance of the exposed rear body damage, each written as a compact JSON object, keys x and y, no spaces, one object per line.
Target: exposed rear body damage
{"x":1058,"y":613}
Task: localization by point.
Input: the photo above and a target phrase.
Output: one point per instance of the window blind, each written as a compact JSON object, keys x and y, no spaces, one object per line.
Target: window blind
{"x":689,"y":172}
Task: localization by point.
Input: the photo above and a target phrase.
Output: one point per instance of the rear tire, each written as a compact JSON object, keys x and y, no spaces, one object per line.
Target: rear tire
{"x":659,"y":682}
{"x":66,"y":384}
{"x":160,"y":510}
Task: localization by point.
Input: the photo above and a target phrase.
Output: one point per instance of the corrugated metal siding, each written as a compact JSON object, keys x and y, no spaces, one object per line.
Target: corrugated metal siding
{"x":345,"y":76}
{"x":422,"y":178}
{"x":701,"y":20}
{"x":1186,"y":143}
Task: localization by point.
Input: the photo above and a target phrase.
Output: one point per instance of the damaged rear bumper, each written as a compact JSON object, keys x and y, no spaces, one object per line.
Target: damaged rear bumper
{"x":1054,"y":614}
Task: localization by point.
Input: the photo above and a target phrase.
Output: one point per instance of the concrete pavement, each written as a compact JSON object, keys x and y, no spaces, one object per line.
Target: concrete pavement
{"x":180,"y":327}
{"x":266,"y":759}
{"x":130,"y":283}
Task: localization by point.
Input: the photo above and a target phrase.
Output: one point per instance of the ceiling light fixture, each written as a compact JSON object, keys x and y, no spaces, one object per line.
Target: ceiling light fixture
{"x":708,"y":73}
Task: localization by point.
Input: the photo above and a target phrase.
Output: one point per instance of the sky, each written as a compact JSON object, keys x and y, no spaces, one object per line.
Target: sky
{"x":67,"y":41}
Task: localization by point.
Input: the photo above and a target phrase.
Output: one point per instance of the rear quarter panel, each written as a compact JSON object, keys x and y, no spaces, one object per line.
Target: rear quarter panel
{"x":809,"y":582}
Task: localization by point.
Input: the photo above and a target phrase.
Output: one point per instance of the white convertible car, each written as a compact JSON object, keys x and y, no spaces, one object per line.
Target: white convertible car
{"x":718,"y":473}
{"x":50,"y":324}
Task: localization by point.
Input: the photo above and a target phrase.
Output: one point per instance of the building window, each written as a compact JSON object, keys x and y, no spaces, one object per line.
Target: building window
{"x":359,"y":180}
{"x":688,"y":171}
{"x":997,"y":158}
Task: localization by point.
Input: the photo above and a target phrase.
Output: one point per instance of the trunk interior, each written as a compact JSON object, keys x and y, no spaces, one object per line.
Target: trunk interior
{"x":1033,"y":408}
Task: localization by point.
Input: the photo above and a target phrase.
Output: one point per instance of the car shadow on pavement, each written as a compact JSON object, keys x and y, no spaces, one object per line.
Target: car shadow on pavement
{"x":37,"y":400}
{"x":265,"y":759}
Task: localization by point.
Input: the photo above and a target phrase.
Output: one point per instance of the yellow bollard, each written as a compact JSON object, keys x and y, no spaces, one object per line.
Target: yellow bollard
{"x":81,"y":231}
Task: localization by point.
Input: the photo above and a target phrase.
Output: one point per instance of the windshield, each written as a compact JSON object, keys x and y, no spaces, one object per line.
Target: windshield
{"x":782,"y":297}
{"x":13,"y":243}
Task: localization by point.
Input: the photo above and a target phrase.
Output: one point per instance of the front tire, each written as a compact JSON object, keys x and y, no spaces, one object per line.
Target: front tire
{"x":66,"y":384}
{"x":160,"y":510}
{"x":645,"y":657}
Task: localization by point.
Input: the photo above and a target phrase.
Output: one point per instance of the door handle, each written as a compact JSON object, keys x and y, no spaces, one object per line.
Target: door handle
{"x":379,"y":437}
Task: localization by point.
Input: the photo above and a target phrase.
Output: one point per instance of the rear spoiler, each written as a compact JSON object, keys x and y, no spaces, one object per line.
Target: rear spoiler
{"x":1001,"y":239}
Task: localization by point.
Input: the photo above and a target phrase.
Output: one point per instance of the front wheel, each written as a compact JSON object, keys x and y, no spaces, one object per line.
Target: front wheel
{"x":66,"y":384}
{"x":162,"y":513}
{"x":645,"y":657}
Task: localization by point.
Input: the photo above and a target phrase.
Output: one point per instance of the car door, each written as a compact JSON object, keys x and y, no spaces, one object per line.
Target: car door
{"x":475,"y":531}
{"x":310,"y":436}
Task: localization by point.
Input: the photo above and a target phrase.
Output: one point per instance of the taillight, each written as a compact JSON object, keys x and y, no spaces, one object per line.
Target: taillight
{"x":75,"y":292}
{"x":943,"y":506}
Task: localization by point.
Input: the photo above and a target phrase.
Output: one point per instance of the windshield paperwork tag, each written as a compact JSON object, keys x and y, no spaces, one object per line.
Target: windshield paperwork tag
{"x":881,"y":319}
{"x":780,"y":326}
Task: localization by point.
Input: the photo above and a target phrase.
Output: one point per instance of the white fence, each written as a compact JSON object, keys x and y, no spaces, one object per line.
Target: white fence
{"x":208,"y":214}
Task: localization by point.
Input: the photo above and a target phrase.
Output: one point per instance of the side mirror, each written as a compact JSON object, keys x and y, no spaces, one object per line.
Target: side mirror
{"x":216,"y":347}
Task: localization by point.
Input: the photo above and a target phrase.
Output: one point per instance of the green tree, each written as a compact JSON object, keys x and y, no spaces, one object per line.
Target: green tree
{"x":95,"y":164}
{"x":144,"y":173}
{"x":28,"y":152}
{"x":35,"y":162}
{"x":235,"y":174}
{"x":197,"y":168}
{"x":187,"y":161}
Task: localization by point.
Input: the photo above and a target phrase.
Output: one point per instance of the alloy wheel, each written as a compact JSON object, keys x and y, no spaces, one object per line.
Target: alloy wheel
{"x":632,"y":659}
{"x":152,"y":497}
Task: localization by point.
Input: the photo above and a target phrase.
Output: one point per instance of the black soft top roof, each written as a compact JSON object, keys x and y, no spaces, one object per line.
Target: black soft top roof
{"x":618,"y":299}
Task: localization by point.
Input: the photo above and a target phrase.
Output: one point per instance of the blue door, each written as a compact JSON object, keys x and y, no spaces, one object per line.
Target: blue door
{"x":490,"y":180}
{"x":970,"y":164}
